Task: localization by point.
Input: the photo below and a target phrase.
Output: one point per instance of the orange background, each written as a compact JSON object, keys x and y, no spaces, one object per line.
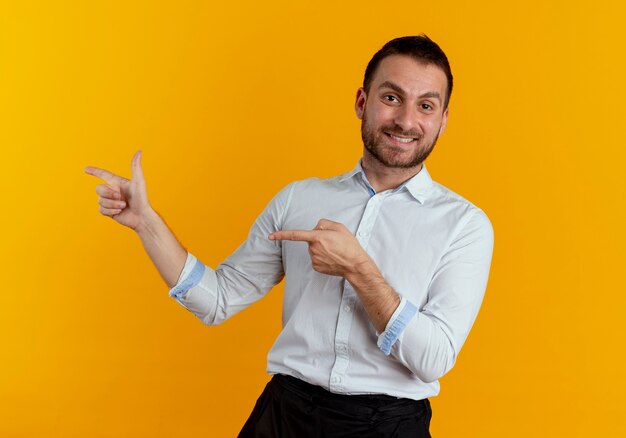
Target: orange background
{"x":229,"y":102}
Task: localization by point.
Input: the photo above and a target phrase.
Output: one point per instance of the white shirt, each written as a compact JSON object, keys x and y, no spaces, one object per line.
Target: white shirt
{"x":432,"y":246}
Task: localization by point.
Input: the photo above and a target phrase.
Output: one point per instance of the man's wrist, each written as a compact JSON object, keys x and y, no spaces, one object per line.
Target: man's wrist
{"x":379,"y":299}
{"x":147,"y":220}
{"x":363,"y":269}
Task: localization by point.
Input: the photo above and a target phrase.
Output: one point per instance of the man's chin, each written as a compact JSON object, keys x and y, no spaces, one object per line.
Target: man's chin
{"x":404,"y":165}
{"x":396,"y":160}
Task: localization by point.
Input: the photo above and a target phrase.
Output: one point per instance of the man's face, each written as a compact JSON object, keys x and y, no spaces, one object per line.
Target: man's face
{"x":402,"y":115}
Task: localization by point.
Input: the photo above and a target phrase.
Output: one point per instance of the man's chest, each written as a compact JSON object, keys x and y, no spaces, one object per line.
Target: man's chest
{"x":406,"y":239}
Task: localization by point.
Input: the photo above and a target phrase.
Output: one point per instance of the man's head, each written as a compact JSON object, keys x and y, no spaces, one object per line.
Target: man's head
{"x":403,"y":103}
{"x":420,"y":48}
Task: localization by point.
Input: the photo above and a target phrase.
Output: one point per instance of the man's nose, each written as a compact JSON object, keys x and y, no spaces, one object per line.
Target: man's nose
{"x":407,"y":118}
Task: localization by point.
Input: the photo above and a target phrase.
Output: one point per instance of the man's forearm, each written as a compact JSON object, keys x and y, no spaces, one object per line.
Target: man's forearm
{"x":335,"y":251}
{"x":167,"y":254}
{"x":378,"y":298}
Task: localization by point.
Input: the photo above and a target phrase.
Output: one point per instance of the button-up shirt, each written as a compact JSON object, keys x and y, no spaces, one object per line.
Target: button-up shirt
{"x":432,"y":246}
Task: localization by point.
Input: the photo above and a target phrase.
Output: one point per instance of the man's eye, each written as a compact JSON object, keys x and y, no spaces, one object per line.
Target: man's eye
{"x":390,"y":98}
{"x":426,"y":106}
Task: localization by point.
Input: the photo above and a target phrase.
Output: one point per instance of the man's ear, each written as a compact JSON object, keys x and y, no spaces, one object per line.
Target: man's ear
{"x":444,"y":121}
{"x":359,"y":105}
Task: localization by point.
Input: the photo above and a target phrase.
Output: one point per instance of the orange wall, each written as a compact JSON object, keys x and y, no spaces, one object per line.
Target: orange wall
{"x":231,"y":102}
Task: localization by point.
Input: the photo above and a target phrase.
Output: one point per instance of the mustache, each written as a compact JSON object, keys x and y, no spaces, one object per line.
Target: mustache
{"x":396,"y":130}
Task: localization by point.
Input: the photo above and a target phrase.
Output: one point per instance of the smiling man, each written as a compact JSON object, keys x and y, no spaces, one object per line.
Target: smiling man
{"x":407,"y":101}
{"x":384,"y":269}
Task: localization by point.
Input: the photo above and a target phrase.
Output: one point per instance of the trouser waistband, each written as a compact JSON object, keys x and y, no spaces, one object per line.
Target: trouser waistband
{"x":362,"y":405}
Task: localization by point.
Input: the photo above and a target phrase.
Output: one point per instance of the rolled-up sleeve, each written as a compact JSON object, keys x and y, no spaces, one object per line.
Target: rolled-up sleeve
{"x":189,"y":277}
{"x":430,"y":341}
{"x":243,"y":278}
{"x":396,"y":325}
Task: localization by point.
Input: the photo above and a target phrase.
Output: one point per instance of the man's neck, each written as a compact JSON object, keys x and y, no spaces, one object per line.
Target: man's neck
{"x":384,"y":178}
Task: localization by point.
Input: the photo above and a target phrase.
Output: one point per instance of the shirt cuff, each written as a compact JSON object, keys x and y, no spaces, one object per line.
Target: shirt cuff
{"x":396,"y":325}
{"x":189,"y":277}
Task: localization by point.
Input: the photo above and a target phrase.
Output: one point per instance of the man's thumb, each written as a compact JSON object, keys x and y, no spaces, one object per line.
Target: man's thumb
{"x":136,"y":167}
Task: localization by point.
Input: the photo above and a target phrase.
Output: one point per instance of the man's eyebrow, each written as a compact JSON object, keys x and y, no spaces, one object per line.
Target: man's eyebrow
{"x":431,"y":95}
{"x":394,"y":87}
{"x":398,"y":89}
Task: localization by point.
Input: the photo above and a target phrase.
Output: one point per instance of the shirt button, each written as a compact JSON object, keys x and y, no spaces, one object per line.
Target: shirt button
{"x":342,"y":348}
{"x":362,"y":233}
{"x":335,"y":379}
{"x":347,"y":308}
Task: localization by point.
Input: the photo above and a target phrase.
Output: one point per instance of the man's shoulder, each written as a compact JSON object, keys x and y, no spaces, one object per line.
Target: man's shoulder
{"x":444,"y":197}
{"x":442,"y":193}
{"x":304,"y":187}
{"x":317,"y":183}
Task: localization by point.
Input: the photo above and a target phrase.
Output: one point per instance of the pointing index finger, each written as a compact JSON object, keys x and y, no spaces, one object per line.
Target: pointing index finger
{"x":104,"y":175}
{"x":296,"y":235}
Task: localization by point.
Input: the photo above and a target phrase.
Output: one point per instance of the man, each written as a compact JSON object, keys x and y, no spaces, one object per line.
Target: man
{"x":385,"y":270}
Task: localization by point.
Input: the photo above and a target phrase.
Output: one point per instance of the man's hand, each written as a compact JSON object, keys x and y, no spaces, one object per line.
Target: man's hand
{"x":333,"y":248}
{"x":335,"y":251}
{"x":126,"y":201}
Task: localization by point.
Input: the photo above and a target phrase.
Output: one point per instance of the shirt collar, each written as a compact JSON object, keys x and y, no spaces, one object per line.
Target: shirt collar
{"x":418,"y":186}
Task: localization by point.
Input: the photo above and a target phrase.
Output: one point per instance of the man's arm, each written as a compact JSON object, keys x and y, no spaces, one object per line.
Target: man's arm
{"x":126,"y":202}
{"x":167,"y":254}
{"x":214,"y":295}
{"x":335,"y":251}
{"x":426,"y":341}
{"x":432,"y":339}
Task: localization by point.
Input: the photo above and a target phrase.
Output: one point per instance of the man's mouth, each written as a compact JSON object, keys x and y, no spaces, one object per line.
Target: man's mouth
{"x":400,"y":139}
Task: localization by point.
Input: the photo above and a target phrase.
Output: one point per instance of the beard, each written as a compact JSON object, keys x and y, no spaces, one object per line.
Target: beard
{"x":389,"y":155}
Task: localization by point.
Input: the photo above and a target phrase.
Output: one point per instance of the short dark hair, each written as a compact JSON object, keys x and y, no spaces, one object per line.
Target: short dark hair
{"x":421,"y":48}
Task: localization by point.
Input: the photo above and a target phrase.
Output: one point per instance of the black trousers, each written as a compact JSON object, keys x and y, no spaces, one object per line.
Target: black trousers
{"x":291,"y":408}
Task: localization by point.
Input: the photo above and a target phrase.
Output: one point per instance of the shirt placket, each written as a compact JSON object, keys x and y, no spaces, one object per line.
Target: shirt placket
{"x":349,"y":300}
